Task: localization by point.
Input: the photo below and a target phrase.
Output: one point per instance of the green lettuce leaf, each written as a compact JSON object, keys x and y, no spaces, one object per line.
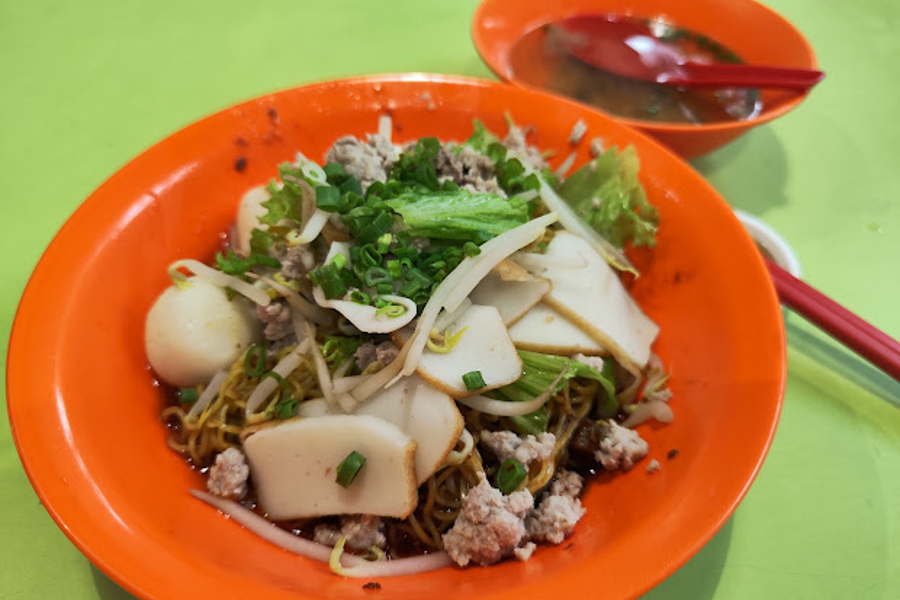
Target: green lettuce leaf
{"x":539,"y":371}
{"x":233,"y":264}
{"x":459,"y":215}
{"x":534,"y":423}
{"x":606,"y":193}
{"x":261,"y":241}
{"x":285,"y":200}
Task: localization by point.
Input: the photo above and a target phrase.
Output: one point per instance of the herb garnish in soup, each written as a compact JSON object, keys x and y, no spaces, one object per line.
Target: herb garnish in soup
{"x":539,"y":59}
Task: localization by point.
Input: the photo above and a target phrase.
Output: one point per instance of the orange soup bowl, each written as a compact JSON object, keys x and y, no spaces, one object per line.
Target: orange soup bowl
{"x":85,"y":407}
{"x":757,"y":34}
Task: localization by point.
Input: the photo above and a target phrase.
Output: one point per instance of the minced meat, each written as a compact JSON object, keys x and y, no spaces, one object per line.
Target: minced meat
{"x":621,"y":448}
{"x":507,"y":444}
{"x":361,"y":532}
{"x":517,"y":145}
{"x":490,"y":526}
{"x":368,"y":161}
{"x":467,"y":168}
{"x":592,"y":361}
{"x":525,"y":552}
{"x":578,"y":131}
{"x":554,"y":518}
{"x":229,"y":474}
{"x":277,"y":319}
{"x":384,"y":353}
{"x":296,"y":262}
{"x":559,"y":509}
{"x":607,"y":444}
{"x":567,"y":483}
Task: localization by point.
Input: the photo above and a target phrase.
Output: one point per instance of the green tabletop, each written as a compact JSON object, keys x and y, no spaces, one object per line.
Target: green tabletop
{"x":85,"y":86}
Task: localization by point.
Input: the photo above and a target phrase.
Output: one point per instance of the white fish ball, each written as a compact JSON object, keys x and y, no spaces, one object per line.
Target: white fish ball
{"x":192,"y":333}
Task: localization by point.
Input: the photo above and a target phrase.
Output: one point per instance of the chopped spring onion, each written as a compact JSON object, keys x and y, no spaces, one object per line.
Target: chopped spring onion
{"x":510,"y":475}
{"x":471,"y":249}
{"x":394,"y":312}
{"x":328,"y":277}
{"x":473,"y":381}
{"x":255,"y":361}
{"x":369,"y":256}
{"x":416,"y":280}
{"x":391,"y":311}
{"x":287,"y":404}
{"x":383,"y":243}
{"x":328,"y":198}
{"x":349,"y":469}
{"x":394,"y":268}
{"x":187,"y":395}
{"x":310,"y":169}
{"x":376,"y":275}
{"x":360,"y":297}
{"x":339,"y":350}
{"x":287,"y":408}
{"x":339,"y":260}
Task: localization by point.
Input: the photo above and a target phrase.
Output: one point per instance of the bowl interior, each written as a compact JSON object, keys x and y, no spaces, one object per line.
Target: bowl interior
{"x":755,"y":32}
{"x":85,"y":410}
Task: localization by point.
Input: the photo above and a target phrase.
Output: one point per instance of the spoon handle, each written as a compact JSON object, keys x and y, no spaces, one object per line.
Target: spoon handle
{"x":874,"y":345}
{"x":726,"y":75}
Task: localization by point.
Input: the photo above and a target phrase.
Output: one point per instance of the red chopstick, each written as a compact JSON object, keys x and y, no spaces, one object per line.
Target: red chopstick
{"x":872,"y":344}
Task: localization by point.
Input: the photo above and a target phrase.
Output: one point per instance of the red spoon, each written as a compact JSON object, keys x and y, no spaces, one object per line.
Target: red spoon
{"x":627,"y":48}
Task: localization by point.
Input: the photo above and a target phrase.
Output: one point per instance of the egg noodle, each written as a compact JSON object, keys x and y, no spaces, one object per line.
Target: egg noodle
{"x":223,"y":425}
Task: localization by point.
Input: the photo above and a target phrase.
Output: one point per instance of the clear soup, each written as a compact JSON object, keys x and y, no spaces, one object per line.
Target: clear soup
{"x":537,"y":59}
